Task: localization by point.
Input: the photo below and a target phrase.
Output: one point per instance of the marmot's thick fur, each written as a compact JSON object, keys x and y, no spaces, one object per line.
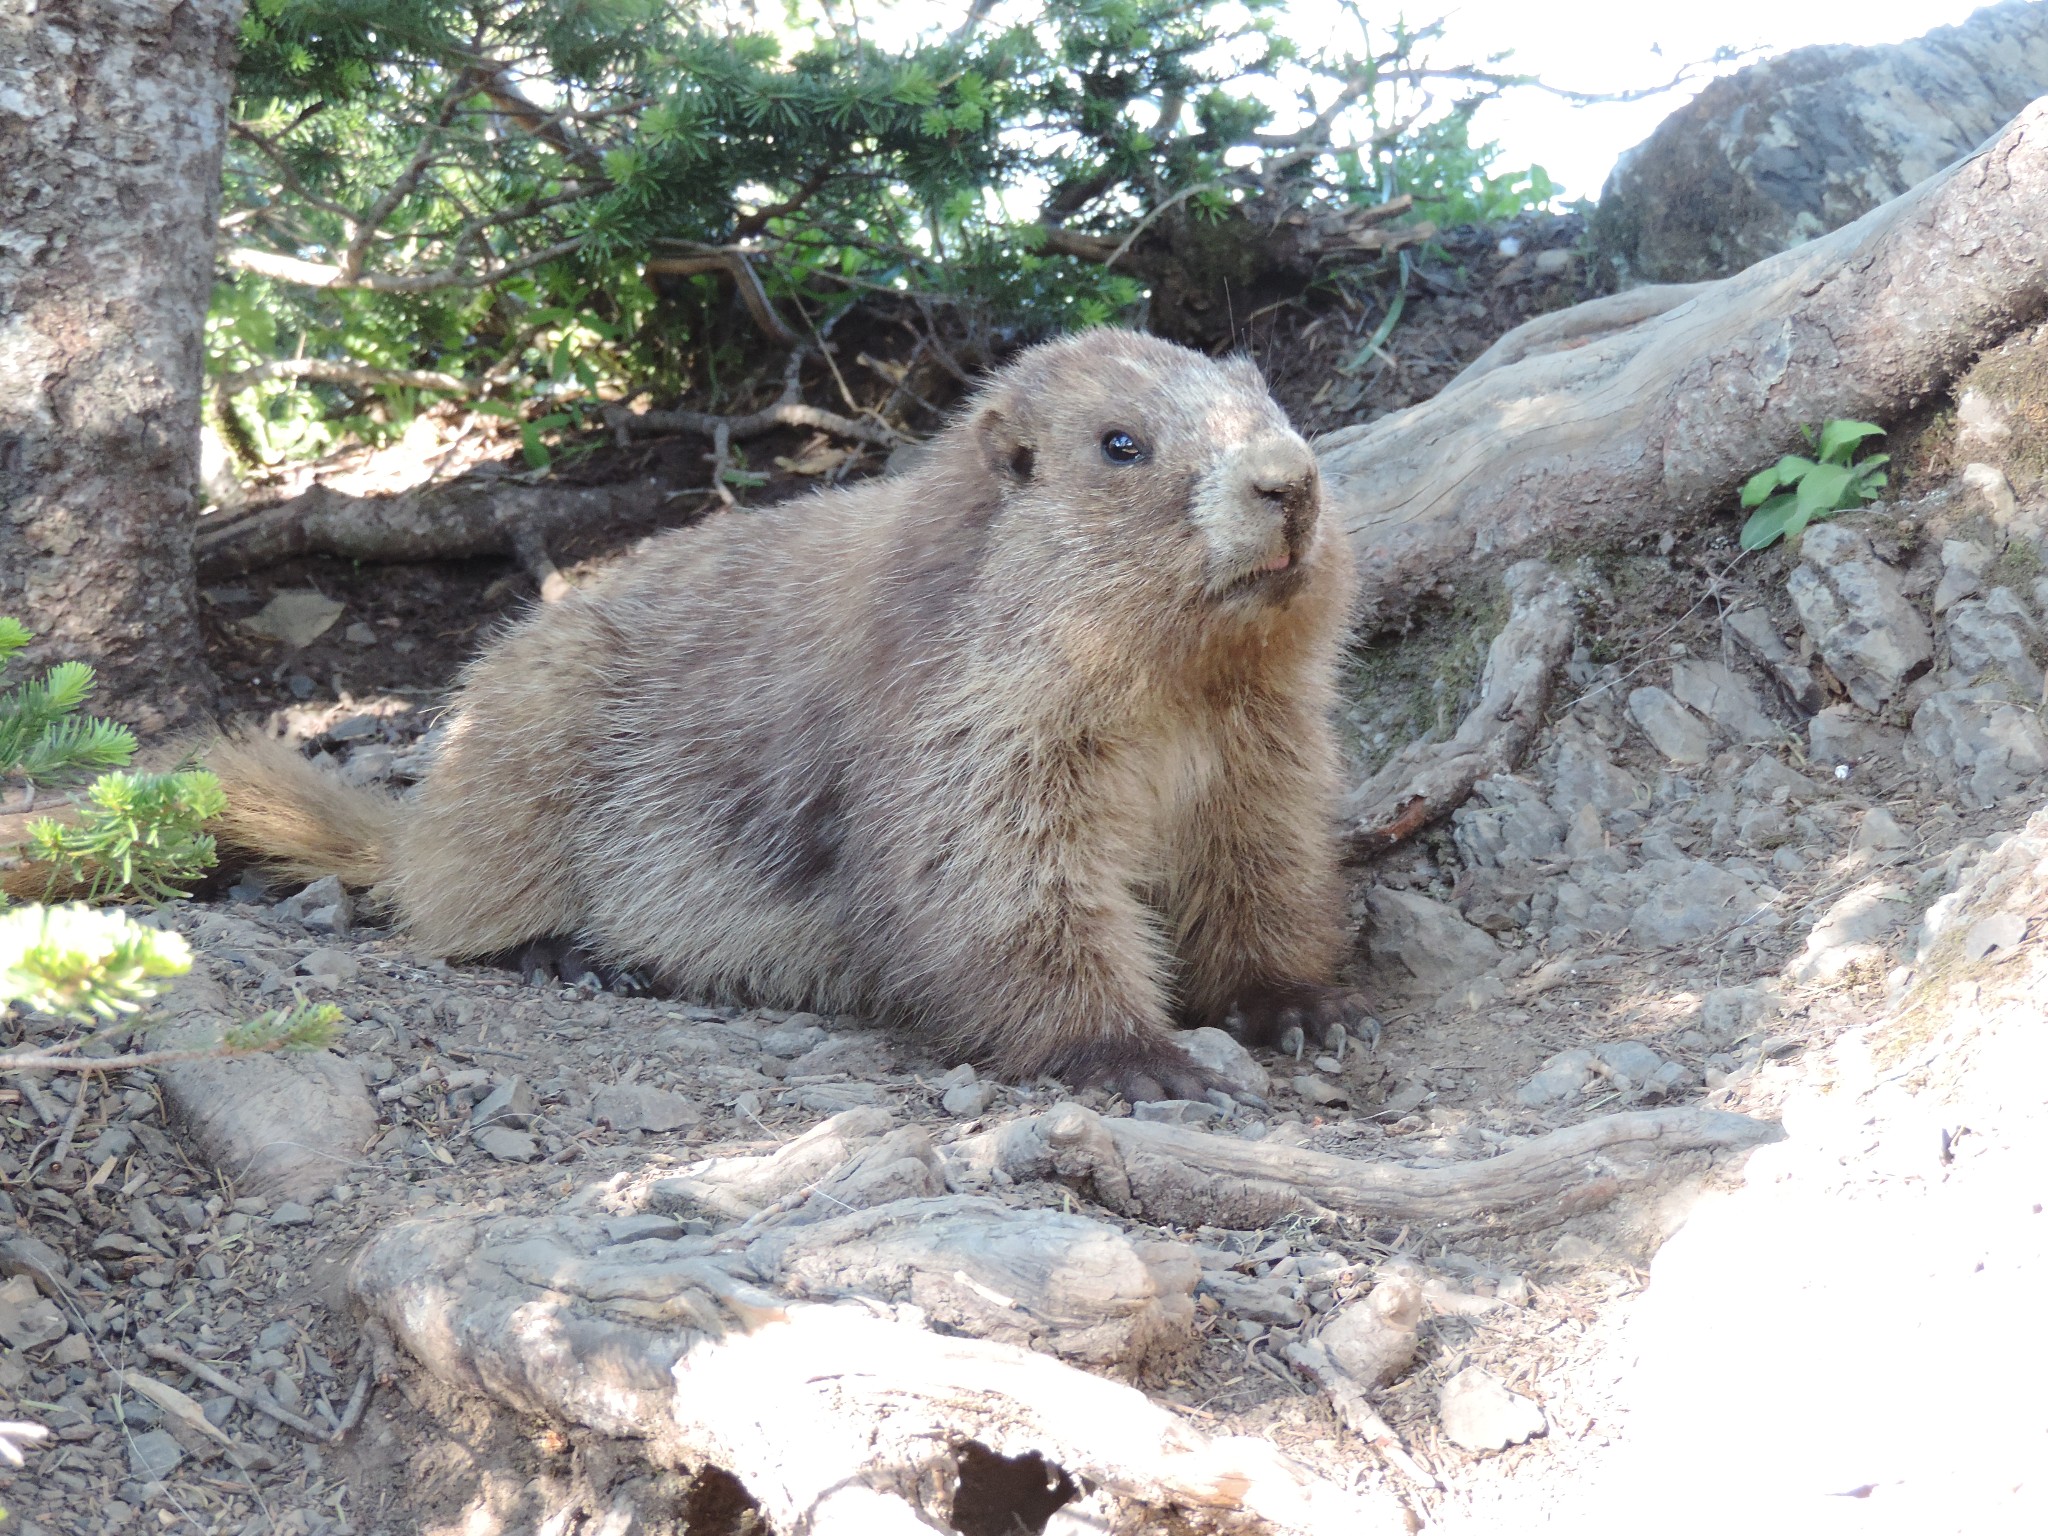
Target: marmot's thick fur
{"x":1030,"y":747}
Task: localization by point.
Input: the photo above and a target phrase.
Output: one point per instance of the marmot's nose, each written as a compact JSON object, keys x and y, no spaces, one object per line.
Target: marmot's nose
{"x":1282,"y":470}
{"x":1280,"y":466}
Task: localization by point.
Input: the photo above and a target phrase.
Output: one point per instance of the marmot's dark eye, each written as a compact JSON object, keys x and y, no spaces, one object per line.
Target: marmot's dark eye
{"x":1121,"y":448}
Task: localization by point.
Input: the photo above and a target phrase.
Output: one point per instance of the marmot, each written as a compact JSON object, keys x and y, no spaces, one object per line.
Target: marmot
{"x":1030,"y":747}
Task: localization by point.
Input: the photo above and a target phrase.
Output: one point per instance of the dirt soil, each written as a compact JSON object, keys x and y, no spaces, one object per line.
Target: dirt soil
{"x":1789,"y":923}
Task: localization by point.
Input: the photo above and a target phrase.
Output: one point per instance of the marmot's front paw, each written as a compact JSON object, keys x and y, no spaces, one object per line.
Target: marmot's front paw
{"x":1142,"y":1069}
{"x":1288,"y":1015}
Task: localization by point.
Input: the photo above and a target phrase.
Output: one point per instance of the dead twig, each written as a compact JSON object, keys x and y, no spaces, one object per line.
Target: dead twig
{"x":252,"y":1397}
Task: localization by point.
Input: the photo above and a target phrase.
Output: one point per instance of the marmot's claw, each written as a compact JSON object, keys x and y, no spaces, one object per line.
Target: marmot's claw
{"x":1142,"y":1071}
{"x":1286,"y":1015}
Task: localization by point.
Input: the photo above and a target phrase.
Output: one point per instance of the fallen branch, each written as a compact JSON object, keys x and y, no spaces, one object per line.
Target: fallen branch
{"x":834,"y":1418}
{"x":1169,"y":1173}
{"x":446,"y":520}
{"x":1665,"y":418}
{"x":327,"y":371}
{"x":1426,"y":780}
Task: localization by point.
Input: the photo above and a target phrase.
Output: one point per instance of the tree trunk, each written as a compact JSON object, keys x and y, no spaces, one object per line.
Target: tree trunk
{"x":112,"y":118}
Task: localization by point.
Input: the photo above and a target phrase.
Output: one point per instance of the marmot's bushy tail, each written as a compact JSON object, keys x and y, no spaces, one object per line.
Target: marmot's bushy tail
{"x":298,"y":818}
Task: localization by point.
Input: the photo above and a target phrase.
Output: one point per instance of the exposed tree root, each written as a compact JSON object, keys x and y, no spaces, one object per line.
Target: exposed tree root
{"x":1169,"y":1173}
{"x":848,"y":1417}
{"x":1426,"y":780}
{"x":1665,"y":418}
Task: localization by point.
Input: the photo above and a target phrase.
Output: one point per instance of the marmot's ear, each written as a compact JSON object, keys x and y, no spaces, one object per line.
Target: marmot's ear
{"x":1006,"y":444}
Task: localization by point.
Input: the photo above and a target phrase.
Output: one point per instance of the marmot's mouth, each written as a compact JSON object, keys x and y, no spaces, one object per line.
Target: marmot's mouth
{"x":1279,"y":577}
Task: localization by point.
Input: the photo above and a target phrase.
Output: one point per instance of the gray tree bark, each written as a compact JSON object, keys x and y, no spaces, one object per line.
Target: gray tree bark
{"x":112,"y":118}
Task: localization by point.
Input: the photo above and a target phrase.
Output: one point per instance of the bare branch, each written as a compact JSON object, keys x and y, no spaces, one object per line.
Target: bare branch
{"x":326,"y":371}
{"x":781,"y":414}
{"x":313,"y":274}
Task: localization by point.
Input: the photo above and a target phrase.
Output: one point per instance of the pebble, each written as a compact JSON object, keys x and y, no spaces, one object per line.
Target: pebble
{"x":1177,"y":1111}
{"x":968,"y":1100}
{"x":291,"y":1214}
{"x":1672,"y":728}
{"x":1225,"y":1056}
{"x":154,"y":1455}
{"x":324,"y":905}
{"x":1373,"y":1340}
{"x":509,"y":1104}
{"x":1316,"y":1091}
{"x":335,"y":967}
{"x":508,"y":1146}
{"x":638,"y":1107}
{"x":1479,"y":1413}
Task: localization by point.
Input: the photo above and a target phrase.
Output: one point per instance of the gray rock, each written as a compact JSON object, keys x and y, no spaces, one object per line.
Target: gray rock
{"x":1724,"y":698}
{"x":1508,"y":824}
{"x":1224,"y":1055}
{"x":1587,"y":839}
{"x":640,"y":1107}
{"x":1995,"y":635}
{"x":1771,"y":781}
{"x":27,"y":1318}
{"x":1177,"y":1111}
{"x":1672,"y":728}
{"x":1630,"y":1059}
{"x":1985,"y":748}
{"x":508,"y":1104}
{"x":1582,"y":774}
{"x":1842,"y":734}
{"x":324,"y":904}
{"x":336,"y":967}
{"x":1880,"y":832}
{"x":290,"y":1213}
{"x":153,"y":1455}
{"x":1963,"y":564}
{"x":1849,"y":931}
{"x":1681,"y":903}
{"x":278,"y":1334}
{"x":1859,"y":621}
{"x":1559,"y":1080}
{"x":1421,"y":947}
{"x":1372,"y":1340}
{"x":958,"y":1077}
{"x":968,"y":1100}
{"x":793,"y":1038}
{"x":1479,"y":1413}
{"x":1753,"y":630}
{"x":641,"y":1226}
{"x":1801,"y":144}
{"x":1673,"y":1078}
{"x":508,"y":1146}
{"x":842,"y":1053}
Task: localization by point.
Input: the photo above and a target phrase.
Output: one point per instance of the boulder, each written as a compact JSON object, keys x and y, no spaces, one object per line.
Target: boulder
{"x":1795,"y":146}
{"x":1421,"y":947}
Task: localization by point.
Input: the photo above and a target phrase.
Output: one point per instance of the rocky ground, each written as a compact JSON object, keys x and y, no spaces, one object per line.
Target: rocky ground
{"x":1771,"y":853}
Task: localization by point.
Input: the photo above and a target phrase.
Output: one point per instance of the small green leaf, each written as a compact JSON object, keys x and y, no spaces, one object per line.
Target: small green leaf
{"x":1838,"y":439}
{"x":530,"y":445}
{"x":1759,"y":486}
{"x":1770,"y":522}
{"x":1824,"y":489}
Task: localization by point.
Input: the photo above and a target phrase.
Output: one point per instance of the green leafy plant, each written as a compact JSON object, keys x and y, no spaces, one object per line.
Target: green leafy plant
{"x":137,"y":832}
{"x":1797,"y":490}
{"x":78,"y":963}
{"x":43,"y":738}
{"x":91,"y":965}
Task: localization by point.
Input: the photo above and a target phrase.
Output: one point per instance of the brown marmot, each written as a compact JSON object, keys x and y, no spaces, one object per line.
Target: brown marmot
{"x":1030,"y":747}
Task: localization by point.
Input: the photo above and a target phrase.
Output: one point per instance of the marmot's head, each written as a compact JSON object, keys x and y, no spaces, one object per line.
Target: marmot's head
{"x":1153,"y":463}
